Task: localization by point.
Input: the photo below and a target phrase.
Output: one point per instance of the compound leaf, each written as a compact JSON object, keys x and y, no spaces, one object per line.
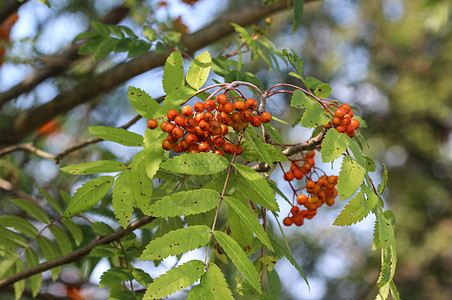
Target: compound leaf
{"x":199,"y":70}
{"x":95,"y":167}
{"x":252,"y":185}
{"x":196,"y":164}
{"x":122,"y":198}
{"x":153,"y":152}
{"x":173,"y":72}
{"x":350,"y":177}
{"x":249,"y":219}
{"x":239,"y":258}
{"x":175,"y":280}
{"x":185,"y":203}
{"x":35,"y":280}
{"x":177,"y":242}
{"x":49,"y":251}
{"x":333,"y":145}
{"x":117,"y":135}
{"x":143,"y":103}
{"x":88,"y":195}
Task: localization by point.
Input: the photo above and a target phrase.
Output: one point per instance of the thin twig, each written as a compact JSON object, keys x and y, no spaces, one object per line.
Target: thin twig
{"x":27,"y":147}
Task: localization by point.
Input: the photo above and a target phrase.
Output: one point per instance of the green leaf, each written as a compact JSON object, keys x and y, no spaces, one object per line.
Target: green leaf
{"x":281,"y":251}
{"x":49,"y":251}
{"x":185,"y":203}
{"x":19,"y":286}
{"x":239,"y":258}
{"x":106,"y":251}
{"x":150,"y":33}
{"x":101,"y":228}
{"x":199,"y":70}
{"x":141,"y":276}
{"x":117,"y":135}
{"x":95,"y":167}
{"x":35,"y":280}
{"x":333,"y":145}
{"x":213,"y":286}
{"x":88,"y":195}
{"x":143,"y":103}
{"x":128,"y":31}
{"x":300,"y":100}
{"x":274,"y":133}
{"x":394,"y":293}
{"x":384,"y":180}
{"x":101,"y":28}
{"x":32,"y":209}
{"x":297,"y":14}
{"x":141,"y":184}
{"x":252,"y":185}
{"x":357,"y":152}
{"x":173,"y":73}
{"x":84,"y":35}
{"x":104,"y":48}
{"x":385,"y":231}
{"x":177,"y":242}
{"x":242,"y":234}
{"x":314,"y":116}
{"x":51,"y":200}
{"x":258,"y":145}
{"x":196,"y":164}
{"x":122,"y":198}
{"x":369,"y":164}
{"x":19,"y":224}
{"x":175,"y":280}
{"x":75,"y":231}
{"x":350,"y":177}
{"x":268,"y":262}
{"x":323,"y":90}
{"x":114,"y":276}
{"x":138,"y":47}
{"x":249,"y":219}
{"x":172,"y":38}
{"x":153,"y":152}
{"x":356,"y":210}
{"x":274,"y":285}
{"x":90,"y":45}
{"x":11,"y":239}
{"x":62,"y":239}
{"x":313,"y":82}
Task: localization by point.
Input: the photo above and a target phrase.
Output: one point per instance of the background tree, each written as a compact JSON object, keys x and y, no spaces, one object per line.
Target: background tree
{"x":388,"y":58}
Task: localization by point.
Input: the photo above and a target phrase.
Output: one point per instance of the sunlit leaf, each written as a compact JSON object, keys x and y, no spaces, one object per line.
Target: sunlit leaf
{"x":199,"y":70}
{"x":117,"y":135}
{"x":196,"y":164}
{"x":95,"y":167}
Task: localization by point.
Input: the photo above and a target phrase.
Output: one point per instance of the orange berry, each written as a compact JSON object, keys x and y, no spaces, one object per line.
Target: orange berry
{"x":346,"y":108}
{"x":298,"y":174}
{"x":152,"y":124}
{"x":172,"y":114}
{"x":228,"y":107}
{"x":295,"y":210}
{"x":210,"y":105}
{"x":287,"y":221}
{"x":229,"y":148}
{"x":340,"y":112}
{"x":251,"y":103}
{"x":354,"y":123}
{"x":302,"y":199}
{"x":266,"y":117}
{"x":180,"y":121}
{"x":167,"y":145}
{"x":187,"y":111}
{"x":221,"y":99}
{"x":288,"y":176}
{"x":199,"y":107}
{"x":255,"y":121}
{"x":204,"y":147}
{"x":239,"y":105}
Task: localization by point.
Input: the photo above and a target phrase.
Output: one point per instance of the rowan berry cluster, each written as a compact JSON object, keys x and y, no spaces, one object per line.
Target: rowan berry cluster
{"x":319,"y":192}
{"x":343,"y":121}
{"x":204,"y":127}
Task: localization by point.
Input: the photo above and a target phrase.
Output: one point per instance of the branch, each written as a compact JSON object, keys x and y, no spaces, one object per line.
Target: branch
{"x":29,"y":121}
{"x":58,"y":63}
{"x":77,"y":254}
{"x":28,"y":147}
{"x":310,"y":144}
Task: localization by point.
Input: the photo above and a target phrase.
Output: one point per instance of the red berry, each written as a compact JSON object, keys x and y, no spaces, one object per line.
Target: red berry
{"x":187,"y":111}
{"x":210,"y":105}
{"x":221,"y":99}
{"x":298,"y":174}
{"x":204,"y":147}
{"x":346,"y":108}
{"x":255,"y":121}
{"x":229,"y":148}
{"x":152,"y":124}
{"x":354,"y":123}
{"x":251,"y":103}
{"x":228,"y":107}
{"x":288,"y":176}
{"x":177,"y":132}
{"x":172,"y":114}
{"x":167,"y":145}
{"x":239,"y":105}
{"x":340,"y":112}
{"x":219,"y":141}
{"x":266,"y":117}
{"x":199,"y":107}
{"x":287,"y":221}
{"x":219,"y":152}
{"x":302,"y":199}
{"x":295,"y":210}
{"x":336,"y":121}
{"x":180,"y":121}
